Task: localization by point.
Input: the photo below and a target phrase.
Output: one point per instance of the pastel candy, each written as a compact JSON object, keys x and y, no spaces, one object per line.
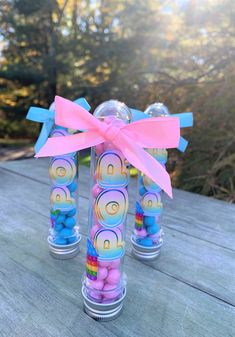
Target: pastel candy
{"x":149,"y":220}
{"x":95,"y":295}
{"x":98,"y":284}
{"x":153,"y":229}
{"x":58,"y":227}
{"x":96,"y":190}
{"x":72,"y":239}
{"x":70,"y":222}
{"x":73,"y":186}
{"x":147,"y":242}
{"x":60,"y":241}
{"x":142,"y":233}
{"x":109,"y":292}
{"x":66,"y":232}
{"x":72,"y":212}
{"x":115,"y":263}
{"x":114,"y":276}
{"x":105,"y":264}
{"x":60,"y":219}
{"x":102,"y":273}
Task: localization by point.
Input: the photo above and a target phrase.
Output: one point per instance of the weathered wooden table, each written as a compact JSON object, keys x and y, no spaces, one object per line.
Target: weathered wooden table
{"x":188,"y":291}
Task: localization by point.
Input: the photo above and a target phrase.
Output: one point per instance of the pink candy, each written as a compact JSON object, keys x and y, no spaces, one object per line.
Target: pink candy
{"x":110,"y":293}
{"x":114,"y":276}
{"x":142,"y":233}
{"x":98,"y":284}
{"x":102,"y":273}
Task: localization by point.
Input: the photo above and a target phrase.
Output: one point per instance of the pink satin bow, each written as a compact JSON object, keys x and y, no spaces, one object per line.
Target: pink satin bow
{"x":130,"y":139}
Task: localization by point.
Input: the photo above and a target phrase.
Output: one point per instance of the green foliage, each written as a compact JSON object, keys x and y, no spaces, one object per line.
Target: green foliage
{"x":178,"y":52}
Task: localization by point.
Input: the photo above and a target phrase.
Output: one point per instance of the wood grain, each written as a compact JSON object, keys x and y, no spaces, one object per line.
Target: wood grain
{"x":188,"y":291}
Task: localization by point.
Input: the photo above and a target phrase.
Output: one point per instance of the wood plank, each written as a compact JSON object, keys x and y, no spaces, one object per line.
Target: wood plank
{"x":193,"y":261}
{"x":202,"y":217}
{"x":43,"y":295}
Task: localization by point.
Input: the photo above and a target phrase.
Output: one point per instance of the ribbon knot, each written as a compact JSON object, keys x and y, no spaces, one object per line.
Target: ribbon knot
{"x":130,"y":139}
{"x":110,"y":132}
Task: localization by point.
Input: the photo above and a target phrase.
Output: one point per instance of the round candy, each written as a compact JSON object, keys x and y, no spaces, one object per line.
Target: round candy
{"x":142,"y":233}
{"x":60,"y":219}
{"x":95,"y":295}
{"x":72,"y":239}
{"x":153,"y":229}
{"x":58,"y":227}
{"x":98,"y":284}
{"x":66,"y":232}
{"x":70,"y":222}
{"x":149,"y":220}
{"x":109,"y":292}
{"x":102,"y":273}
{"x":72,"y":212}
{"x":147,"y":242}
{"x":73,"y":186}
{"x":114,"y":276}
{"x":60,"y":241}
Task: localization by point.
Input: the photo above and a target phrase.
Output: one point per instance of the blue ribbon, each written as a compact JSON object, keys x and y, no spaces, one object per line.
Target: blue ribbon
{"x":186,"y":120}
{"x":47,"y":117}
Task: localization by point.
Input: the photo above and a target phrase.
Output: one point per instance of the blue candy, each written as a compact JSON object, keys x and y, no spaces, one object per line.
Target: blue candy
{"x":149,"y":220}
{"x":60,"y":241}
{"x":147,"y":242}
{"x":60,"y":219}
{"x":70,"y":222}
{"x":153,"y":229}
{"x":73,"y":186}
{"x":66,"y":232}
{"x":72,"y":212}
{"x":72,"y":239}
{"x":58,"y":227}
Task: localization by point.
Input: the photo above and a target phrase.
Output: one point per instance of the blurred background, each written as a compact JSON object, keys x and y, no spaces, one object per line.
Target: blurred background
{"x":179,"y":52}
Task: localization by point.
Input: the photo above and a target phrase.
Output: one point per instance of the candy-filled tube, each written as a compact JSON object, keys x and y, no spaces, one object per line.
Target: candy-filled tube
{"x":104,"y":285}
{"x":147,"y":237}
{"x":64,"y":234}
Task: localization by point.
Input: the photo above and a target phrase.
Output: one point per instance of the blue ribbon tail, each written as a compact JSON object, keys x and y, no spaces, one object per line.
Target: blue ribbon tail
{"x":44,"y":134}
{"x":39,"y":114}
{"x":186,"y":119}
{"x":182,"y":144}
{"x":137,"y":115}
{"x":83,"y":102}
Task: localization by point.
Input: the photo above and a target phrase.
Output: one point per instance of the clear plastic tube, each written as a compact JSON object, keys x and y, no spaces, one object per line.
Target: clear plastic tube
{"x":147,"y":234}
{"x":64,"y":234}
{"x":104,"y":280}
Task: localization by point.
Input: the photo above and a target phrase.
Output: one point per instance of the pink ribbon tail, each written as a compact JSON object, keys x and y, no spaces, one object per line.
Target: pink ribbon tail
{"x":155,"y":132}
{"x":145,"y":163}
{"x":56,"y":146}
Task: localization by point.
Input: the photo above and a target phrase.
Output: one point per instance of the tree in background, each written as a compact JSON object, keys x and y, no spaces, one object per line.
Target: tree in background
{"x":179,"y":52}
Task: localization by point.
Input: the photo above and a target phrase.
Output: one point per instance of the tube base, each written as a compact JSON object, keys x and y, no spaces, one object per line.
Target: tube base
{"x":145,"y":253}
{"x":103,"y":311}
{"x":64,"y":252}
